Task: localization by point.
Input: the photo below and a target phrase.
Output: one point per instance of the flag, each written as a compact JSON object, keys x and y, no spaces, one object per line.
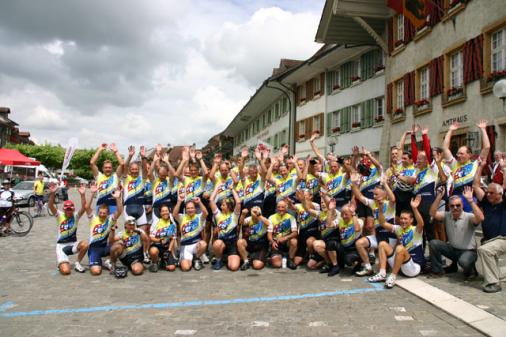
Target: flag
{"x":69,"y":153}
{"x":415,"y":11}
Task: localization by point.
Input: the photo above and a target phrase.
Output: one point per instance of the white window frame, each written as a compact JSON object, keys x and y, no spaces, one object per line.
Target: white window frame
{"x":336,"y":81}
{"x":457,"y":69}
{"x":356,"y":71}
{"x":498,"y":50}
{"x":316,"y":123}
{"x":424,"y":83}
{"x":399,"y":89}
{"x":356,"y":112}
{"x":379,"y":107}
{"x":336,"y":120}
{"x":302,"y":128}
{"x":400,"y":28}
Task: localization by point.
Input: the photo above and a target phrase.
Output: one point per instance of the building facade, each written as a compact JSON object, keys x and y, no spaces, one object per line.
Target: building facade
{"x":340,"y":93}
{"x":444,"y":72}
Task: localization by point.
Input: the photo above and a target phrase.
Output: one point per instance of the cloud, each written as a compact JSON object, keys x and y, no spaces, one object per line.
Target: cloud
{"x":142,"y":72}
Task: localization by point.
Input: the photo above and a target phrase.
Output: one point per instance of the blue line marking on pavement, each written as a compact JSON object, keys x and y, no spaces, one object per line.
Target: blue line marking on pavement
{"x":197,"y":303}
{"x":6,"y":305}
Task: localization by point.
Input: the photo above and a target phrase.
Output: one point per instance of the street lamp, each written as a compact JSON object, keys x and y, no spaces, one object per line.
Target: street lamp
{"x":500,"y":92}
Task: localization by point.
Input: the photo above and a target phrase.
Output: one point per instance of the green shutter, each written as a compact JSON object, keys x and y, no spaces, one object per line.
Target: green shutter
{"x":329,"y":79}
{"x":367,"y":64}
{"x":346,"y":71}
{"x":363,"y":114}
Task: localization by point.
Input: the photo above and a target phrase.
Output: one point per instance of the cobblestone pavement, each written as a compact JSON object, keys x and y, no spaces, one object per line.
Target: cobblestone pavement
{"x":36,"y":301}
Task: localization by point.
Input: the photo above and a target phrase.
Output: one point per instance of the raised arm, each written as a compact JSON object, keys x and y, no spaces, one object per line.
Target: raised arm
{"x":184,"y":162}
{"x":478,"y":191}
{"x":355,"y":189}
{"x":166,"y":160}
{"x":119,"y":204}
{"x":202,"y":207}
{"x":447,"y":154}
{"x":438,"y":216}
{"x":415,"y":203}
{"x":315,"y":149}
{"x":381,"y":217}
{"x":93,"y":161}
{"x":402,"y":142}
{"x":268,"y":175}
{"x":485,"y":141}
{"x":177,"y":207}
{"x":478,"y":214}
{"x":388,"y":190}
{"x":121,"y":163}
{"x":82,"y":194}
{"x":212,"y":199}
{"x":242,"y":161}
{"x":203,"y":167}
{"x":93,"y":190}
{"x":50,"y":204}
{"x":131,"y":153}
{"x":426,"y":144}
{"x":237,"y":200}
{"x":214,"y":168}
{"x":144,"y":161}
{"x":373,"y":160}
{"x":300,"y":176}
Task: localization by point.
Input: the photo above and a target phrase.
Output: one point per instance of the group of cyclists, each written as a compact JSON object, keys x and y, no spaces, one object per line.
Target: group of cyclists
{"x":327,"y":212}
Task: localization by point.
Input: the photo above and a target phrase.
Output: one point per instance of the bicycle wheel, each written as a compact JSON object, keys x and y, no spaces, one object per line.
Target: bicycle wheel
{"x":21,"y":223}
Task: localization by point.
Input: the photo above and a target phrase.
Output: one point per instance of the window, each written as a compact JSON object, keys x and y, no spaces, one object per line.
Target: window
{"x":285,"y":105}
{"x":456,"y":70}
{"x":301,"y":93}
{"x":283,"y":137}
{"x":498,"y":50}
{"x":336,"y":121}
{"x":276,"y":111}
{"x":264,"y":121}
{"x":400,"y":29}
{"x":355,"y":116}
{"x":316,"y":86}
{"x":379,"y":109}
{"x":257,"y":125}
{"x":355,"y":73}
{"x":316,"y":123}
{"x":399,"y":89}
{"x":424,"y":83}
{"x":336,"y":80}
{"x":276,"y":141}
{"x":302,"y":129}
{"x":269,"y":117}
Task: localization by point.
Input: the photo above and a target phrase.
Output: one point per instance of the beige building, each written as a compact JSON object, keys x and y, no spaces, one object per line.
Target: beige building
{"x":435,"y":75}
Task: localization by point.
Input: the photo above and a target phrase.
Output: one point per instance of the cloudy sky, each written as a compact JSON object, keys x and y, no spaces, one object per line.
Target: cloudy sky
{"x":143,"y":72}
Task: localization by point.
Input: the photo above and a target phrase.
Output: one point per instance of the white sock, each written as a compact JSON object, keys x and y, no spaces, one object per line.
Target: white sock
{"x":367,"y":266}
{"x":383,"y":272}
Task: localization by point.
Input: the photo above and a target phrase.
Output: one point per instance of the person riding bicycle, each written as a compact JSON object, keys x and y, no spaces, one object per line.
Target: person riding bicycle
{"x":6,"y":206}
{"x":38,"y":190}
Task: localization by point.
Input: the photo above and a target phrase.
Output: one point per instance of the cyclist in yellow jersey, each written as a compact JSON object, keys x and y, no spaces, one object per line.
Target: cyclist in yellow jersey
{"x":163,"y":238}
{"x":130,"y":246}
{"x":162,"y":183}
{"x":191,"y":229}
{"x":286,"y":184}
{"x":222,"y":178}
{"x":253,"y":244}
{"x":100,"y":228}
{"x":226,"y":230}
{"x":282,"y":236}
{"x":134,"y":188}
{"x":107,"y":180}
{"x":463,"y":168}
{"x":67,"y":221}
{"x":381,"y":192}
{"x":269,"y":205}
{"x":252,"y":182}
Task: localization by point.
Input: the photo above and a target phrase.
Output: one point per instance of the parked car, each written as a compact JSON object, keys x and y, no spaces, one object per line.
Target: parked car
{"x":24,"y":195}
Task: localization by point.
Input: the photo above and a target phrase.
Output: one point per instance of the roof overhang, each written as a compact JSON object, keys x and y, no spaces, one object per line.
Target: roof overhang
{"x":263,"y":97}
{"x":338,"y":22}
{"x":337,"y":56}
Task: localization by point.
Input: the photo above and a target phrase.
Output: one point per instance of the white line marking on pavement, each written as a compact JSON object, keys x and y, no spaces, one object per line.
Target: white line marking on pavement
{"x":185,"y":332}
{"x":399,"y":309}
{"x":477,"y":318}
{"x":260,"y":324}
{"x":346,"y":280}
{"x":317,"y":323}
{"x":484,"y":307}
{"x":403,"y":318}
{"x":428,"y":332}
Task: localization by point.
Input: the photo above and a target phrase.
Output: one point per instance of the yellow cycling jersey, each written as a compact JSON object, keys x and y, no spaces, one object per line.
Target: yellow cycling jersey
{"x":281,"y":225}
{"x":285,"y":187}
{"x":106,"y":186}
{"x":163,"y":229}
{"x":161,"y":191}
{"x":347,"y":233}
{"x":133,"y":190}
{"x":193,"y":187}
{"x":225,"y":189}
{"x":254,"y":231}
{"x":253,"y":189}
{"x":388,"y":211}
{"x":463,"y":174}
{"x":132,"y":241}
{"x":191,"y":227}
{"x":100,"y":229}
{"x":67,"y":227}
{"x":226,"y":224}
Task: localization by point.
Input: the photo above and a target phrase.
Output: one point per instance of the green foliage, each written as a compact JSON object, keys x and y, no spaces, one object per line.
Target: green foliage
{"x":51,"y":156}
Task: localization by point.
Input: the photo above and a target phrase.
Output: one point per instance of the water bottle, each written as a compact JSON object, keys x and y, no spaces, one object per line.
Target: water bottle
{"x":283,"y":263}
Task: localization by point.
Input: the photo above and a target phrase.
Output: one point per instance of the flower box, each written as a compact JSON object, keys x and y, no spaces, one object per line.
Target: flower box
{"x":355,"y":79}
{"x":399,"y":43}
{"x":399,"y":111}
{"x":336,"y":129}
{"x":379,"y":67}
{"x":496,"y":75}
{"x":336,"y":87}
{"x":379,"y":119}
{"x":455,"y":92}
{"x":355,"y":125}
{"x":422,"y":103}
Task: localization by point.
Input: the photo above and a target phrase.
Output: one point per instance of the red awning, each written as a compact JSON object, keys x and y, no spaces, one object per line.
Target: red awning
{"x":15,"y":158}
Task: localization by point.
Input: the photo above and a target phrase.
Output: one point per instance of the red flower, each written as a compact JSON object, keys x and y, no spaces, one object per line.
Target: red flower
{"x":336,"y":129}
{"x":399,"y":111}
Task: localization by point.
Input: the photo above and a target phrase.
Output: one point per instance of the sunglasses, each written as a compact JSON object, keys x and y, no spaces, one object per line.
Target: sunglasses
{"x":456,"y":206}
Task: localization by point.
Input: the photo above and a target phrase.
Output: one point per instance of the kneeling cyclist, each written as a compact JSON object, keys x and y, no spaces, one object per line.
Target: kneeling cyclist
{"x":253,"y":245}
{"x":163,"y":241}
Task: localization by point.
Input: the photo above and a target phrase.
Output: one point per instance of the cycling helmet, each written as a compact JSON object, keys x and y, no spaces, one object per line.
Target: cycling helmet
{"x":121,"y":272}
{"x":6,"y":182}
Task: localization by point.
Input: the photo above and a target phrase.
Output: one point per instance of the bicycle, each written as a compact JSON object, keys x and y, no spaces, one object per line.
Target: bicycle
{"x":38,"y":209}
{"x":20,"y":223}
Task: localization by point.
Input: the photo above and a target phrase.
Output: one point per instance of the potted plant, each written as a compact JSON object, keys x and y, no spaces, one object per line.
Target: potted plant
{"x":355,"y":125}
{"x":422,"y":102}
{"x":336,"y":129}
{"x":336,"y":87}
{"x":454,"y":91}
{"x":399,"y":42}
{"x":379,"y":119}
{"x":399,"y":111}
{"x":355,"y":79}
